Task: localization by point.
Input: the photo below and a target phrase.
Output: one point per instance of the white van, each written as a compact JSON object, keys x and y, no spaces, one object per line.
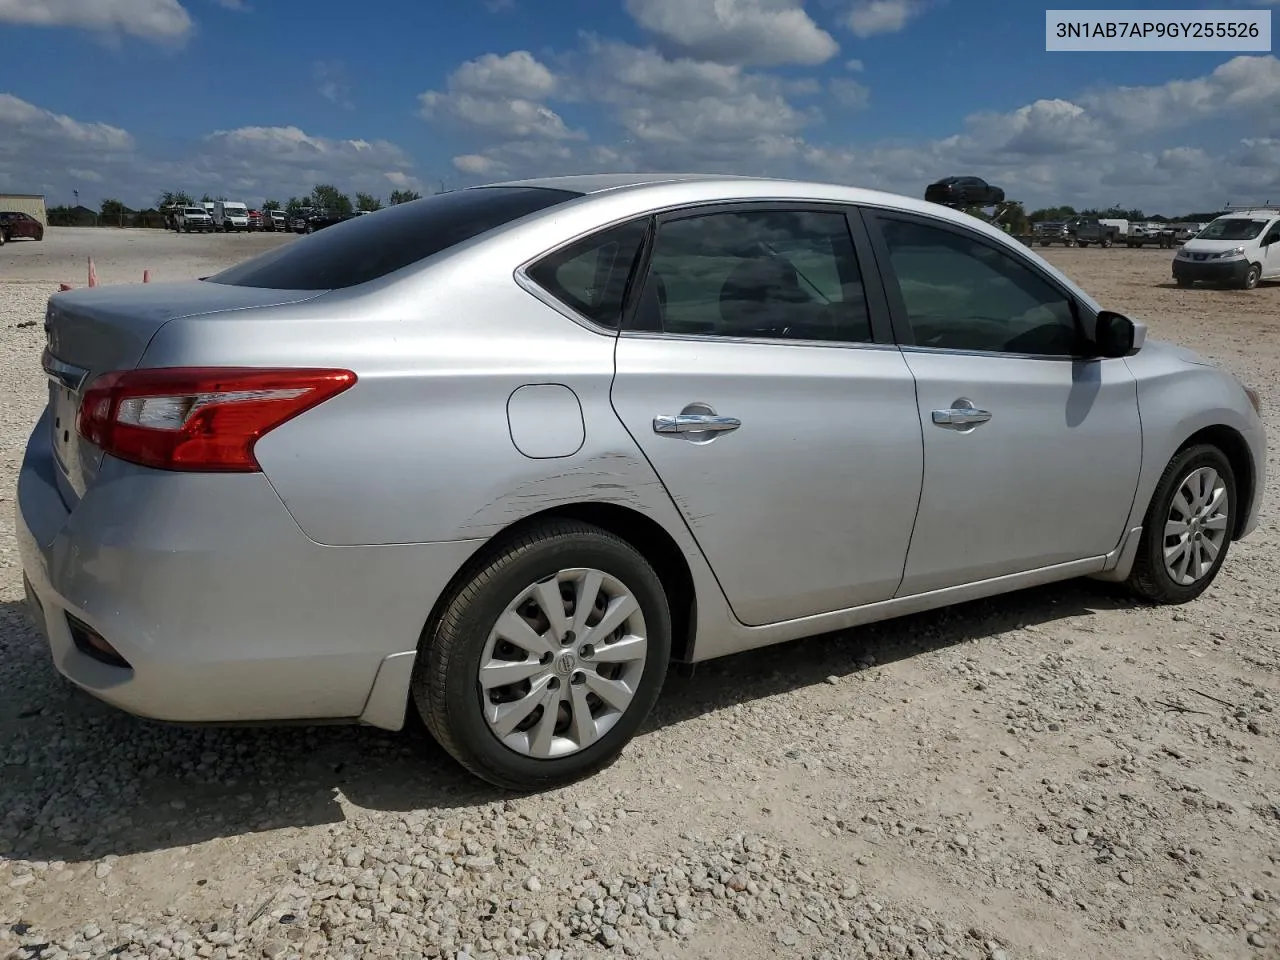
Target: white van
{"x":230,"y":215}
{"x":1239,"y":248}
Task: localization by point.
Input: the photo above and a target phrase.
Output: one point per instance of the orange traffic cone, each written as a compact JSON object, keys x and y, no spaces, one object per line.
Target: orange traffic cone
{"x":93,"y":274}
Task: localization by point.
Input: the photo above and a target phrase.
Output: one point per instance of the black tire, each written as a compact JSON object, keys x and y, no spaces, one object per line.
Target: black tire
{"x":1082,"y":243}
{"x":1107,"y":241}
{"x":445,"y":688}
{"x":1149,"y":580}
{"x":1183,"y":281}
{"x":1251,"y":277}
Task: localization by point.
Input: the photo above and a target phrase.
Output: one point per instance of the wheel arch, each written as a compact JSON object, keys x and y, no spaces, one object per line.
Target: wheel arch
{"x":644,"y":533}
{"x":1236,"y":449}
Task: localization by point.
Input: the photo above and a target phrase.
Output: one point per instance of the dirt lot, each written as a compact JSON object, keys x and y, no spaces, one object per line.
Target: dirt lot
{"x":1055,"y":774}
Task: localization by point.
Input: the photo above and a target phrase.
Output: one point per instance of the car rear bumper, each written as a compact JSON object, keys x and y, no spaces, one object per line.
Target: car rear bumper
{"x":1210,"y":271}
{"x":223,"y":609}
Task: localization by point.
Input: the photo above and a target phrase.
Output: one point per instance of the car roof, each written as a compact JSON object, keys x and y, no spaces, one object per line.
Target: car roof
{"x":734,"y":187}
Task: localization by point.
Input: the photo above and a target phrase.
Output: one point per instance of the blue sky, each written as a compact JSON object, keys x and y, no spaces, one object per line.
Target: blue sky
{"x":263,"y":98}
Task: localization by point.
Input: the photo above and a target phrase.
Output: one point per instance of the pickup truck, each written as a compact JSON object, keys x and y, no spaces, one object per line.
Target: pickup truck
{"x":1153,"y":234}
{"x":193,"y":218}
{"x":1087,"y":230}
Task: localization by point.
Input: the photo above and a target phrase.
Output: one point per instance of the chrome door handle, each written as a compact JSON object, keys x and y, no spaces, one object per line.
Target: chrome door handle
{"x":695,"y":423}
{"x":960,"y":416}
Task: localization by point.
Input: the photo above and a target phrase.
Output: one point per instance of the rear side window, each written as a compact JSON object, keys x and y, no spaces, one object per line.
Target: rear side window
{"x":591,"y":275}
{"x":366,"y":248}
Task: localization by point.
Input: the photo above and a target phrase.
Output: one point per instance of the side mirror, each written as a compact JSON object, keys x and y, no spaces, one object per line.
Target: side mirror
{"x":1117,"y":336}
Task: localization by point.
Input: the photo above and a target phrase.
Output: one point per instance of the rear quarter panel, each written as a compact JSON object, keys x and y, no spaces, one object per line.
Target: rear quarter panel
{"x":420,"y":449}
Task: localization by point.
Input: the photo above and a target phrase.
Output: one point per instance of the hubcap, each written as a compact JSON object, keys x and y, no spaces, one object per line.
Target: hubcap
{"x":562,"y":664}
{"x":1196,"y":527}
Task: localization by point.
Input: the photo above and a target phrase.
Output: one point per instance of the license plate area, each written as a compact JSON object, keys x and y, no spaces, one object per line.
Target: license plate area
{"x":64,"y":405}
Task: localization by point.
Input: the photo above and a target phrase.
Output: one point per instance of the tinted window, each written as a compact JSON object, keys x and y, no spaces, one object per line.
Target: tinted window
{"x":591,"y":275}
{"x":779,"y":275}
{"x":365,"y":248}
{"x":963,"y":294}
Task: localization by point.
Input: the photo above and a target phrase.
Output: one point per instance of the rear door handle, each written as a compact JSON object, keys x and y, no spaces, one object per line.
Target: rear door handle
{"x":960,"y":416}
{"x":695,"y":423}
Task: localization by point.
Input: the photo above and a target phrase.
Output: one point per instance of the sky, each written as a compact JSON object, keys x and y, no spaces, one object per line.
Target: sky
{"x":258,"y":99}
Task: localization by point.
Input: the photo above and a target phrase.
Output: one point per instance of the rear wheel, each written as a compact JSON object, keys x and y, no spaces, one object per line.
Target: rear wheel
{"x":547,"y":659}
{"x":1187,"y":530}
{"x":1107,"y":241}
{"x":1182,"y":281}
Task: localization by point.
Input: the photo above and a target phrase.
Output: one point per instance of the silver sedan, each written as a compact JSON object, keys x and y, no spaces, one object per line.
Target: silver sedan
{"x":500,"y":456}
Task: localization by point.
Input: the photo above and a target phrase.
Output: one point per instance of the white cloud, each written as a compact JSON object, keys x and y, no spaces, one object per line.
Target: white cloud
{"x":239,"y":5}
{"x":160,"y":20}
{"x":21,"y":121}
{"x":502,"y":96}
{"x":849,"y":93}
{"x":288,"y":161}
{"x":331,"y":82}
{"x":857,"y":66}
{"x":746,"y":32}
{"x":871,"y":17}
{"x":692,"y":114}
{"x":474,"y":163}
{"x":1248,"y":85}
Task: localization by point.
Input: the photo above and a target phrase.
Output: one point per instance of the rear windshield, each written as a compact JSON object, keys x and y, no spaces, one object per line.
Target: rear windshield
{"x":361,"y":249}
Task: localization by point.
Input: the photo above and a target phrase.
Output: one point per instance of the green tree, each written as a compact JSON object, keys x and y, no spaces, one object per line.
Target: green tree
{"x":367,"y":201}
{"x":269,"y":205}
{"x":173,"y":198}
{"x":294,"y":205}
{"x":113,"y":212}
{"x":328,"y":197}
{"x":206,"y":199}
{"x":403,"y":196}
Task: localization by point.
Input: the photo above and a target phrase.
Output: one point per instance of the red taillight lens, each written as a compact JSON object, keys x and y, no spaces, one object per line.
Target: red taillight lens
{"x":199,"y":419}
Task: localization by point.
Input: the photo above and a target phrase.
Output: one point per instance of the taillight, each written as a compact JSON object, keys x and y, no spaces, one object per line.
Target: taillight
{"x":199,"y":419}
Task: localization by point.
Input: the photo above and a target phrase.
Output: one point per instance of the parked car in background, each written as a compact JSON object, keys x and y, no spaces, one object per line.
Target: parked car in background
{"x":278,"y":220}
{"x":16,"y":225}
{"x":1241,"y":249}
{"x":255,"y":219}
{"x":641,"y":380}
{"x":311,"y":220}
{"x":193,"y":219}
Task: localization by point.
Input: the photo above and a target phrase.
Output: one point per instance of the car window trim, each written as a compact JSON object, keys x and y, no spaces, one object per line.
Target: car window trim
{"x":530,"y":286}
{"x":905,"y":337}
{"x":872,"y":285}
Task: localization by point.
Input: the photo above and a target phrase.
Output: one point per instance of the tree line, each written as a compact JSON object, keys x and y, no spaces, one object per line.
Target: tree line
{"x":114,"y":213}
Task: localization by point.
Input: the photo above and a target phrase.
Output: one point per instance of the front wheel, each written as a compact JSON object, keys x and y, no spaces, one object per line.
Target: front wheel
{"x":1187,"y":529}
{"x":546,"y":659}
{"x":1107,"y":241}
{"x":1252,"y":276}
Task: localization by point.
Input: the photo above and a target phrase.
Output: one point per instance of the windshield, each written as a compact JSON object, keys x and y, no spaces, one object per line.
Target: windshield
{"x":196,"y":211}
{"x":1232,"y":228}
{"x":358,"y":250}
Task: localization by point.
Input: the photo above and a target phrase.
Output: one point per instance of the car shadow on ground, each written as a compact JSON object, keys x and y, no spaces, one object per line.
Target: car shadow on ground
{"x":80,"y":780}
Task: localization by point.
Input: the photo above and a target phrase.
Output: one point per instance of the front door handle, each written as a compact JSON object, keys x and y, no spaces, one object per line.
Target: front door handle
{"x":695,"y":423}
{"x":960,"y":416}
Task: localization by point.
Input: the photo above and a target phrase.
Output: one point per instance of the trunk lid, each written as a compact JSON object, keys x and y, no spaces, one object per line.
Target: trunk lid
{"x":92,"y":331}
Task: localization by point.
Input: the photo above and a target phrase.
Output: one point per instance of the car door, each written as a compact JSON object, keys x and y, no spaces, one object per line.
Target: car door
{"x":757,"y":373}
{"x":1271,"y":251}
{"x":1032,"y":446}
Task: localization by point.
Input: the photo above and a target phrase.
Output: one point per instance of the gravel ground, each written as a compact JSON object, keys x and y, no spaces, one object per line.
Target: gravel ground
{"x":1053,"y":774}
